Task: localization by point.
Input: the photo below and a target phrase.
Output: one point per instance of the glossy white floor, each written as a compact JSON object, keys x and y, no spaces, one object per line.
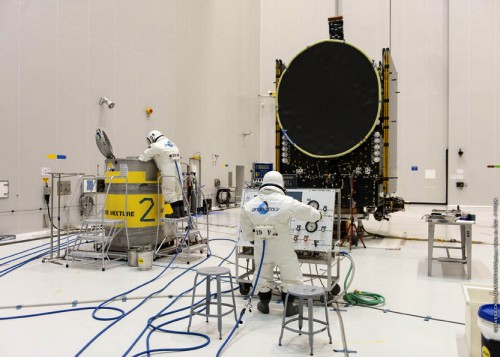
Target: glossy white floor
{"x":395,"y":268}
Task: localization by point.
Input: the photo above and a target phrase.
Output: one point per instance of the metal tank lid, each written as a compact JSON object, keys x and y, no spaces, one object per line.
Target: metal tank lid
{"x":104,"y":144}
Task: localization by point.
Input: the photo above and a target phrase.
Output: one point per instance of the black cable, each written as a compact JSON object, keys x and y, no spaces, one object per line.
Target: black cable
{"x":86,"y":201}
{"x":50,"y":218}
{"x":406,"y":314}
{"x":22,"y":210}
{"x":31,"y":209}
{"x":223,"y":201}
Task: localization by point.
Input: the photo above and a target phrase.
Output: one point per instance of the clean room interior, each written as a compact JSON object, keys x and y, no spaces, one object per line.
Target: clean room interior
{"x":203,"y":73}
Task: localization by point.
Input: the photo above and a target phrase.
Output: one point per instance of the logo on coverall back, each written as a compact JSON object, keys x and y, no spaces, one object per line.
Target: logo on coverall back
{"x":264,"y":208}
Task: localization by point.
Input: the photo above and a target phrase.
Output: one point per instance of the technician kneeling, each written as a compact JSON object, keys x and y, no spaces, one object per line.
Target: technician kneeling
{"x":273,"y":208}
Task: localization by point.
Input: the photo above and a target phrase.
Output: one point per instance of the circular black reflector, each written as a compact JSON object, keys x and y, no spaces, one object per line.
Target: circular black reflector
{"x":329,"y":99}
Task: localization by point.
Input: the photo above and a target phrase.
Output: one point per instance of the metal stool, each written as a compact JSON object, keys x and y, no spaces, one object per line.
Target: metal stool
{"x":306,"y":292}
{"x":212,"y":273}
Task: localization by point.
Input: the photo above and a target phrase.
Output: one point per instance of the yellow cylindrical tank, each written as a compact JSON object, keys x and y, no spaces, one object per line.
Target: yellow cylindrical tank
{"x":141,"y":210}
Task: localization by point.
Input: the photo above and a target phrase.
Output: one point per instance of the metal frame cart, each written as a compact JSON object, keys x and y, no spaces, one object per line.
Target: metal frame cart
{"x":316,"y":242}
{"x":59,"y":176}
{"x":96,"y":234}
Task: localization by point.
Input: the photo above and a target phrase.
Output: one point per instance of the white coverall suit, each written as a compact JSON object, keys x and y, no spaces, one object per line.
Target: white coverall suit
{"x":166,"y":156}
{"x":279,"y":250}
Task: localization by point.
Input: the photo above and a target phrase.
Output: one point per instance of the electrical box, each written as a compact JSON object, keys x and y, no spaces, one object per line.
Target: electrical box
{"x":89,"y":186}
{"x":4,"y":189}
{"x":258,"y":172}
{"x":92,"y":185}
{"x":64,"y":188}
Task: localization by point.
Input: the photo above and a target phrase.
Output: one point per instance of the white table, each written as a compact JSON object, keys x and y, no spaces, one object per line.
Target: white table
{"x":465,"y":244}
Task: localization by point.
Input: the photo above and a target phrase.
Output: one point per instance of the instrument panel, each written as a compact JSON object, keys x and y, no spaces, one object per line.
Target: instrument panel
{"x":308,"y":236}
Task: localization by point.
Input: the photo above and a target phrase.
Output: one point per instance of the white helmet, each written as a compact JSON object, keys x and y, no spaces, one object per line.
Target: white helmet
{"x":274,"y":179}
{"x":153,"y":136}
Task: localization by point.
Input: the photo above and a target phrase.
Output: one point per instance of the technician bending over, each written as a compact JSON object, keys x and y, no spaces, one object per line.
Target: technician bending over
{"x":273,"y":207}
{"x":166,"y":156}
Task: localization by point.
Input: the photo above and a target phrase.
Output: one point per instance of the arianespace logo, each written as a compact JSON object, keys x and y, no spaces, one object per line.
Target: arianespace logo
{"x":264,"y":208}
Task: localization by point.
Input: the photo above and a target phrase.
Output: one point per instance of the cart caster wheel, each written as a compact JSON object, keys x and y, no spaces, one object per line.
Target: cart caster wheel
{"x":187,"y":263}
{"x":331,"y":294}
{"x":103,"y":269}
{"x":335,"y":290}
{"x":67,"y":266}
{"x":245,"y":288}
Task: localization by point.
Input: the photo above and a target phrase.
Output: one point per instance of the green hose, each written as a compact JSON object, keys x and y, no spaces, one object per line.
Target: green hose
{"x":360,"y":297}
{"x":364,"y":298}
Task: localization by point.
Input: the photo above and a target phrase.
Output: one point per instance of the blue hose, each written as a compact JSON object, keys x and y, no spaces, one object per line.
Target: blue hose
{"x":161,"y":313}
{"x":244,"y":309}
{"x":117,"y":319}
{"x":24,"y":251}
{"x":42,"y":252}
{"x":122,"y":313}
{"x":147,"y":326}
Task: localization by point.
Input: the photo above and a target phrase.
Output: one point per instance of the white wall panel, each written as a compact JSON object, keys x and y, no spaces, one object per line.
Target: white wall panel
{"x":459,"y":52}
{"x":101,"y":82}
{"x":366,"y":25}
{"x":72,"y":96}
{"x":493,"y":175}
{"x":148,"y":73}
{"x":481,"y":39}
{"x":75,"y":12}
{"x":38,"y":37}
{"x":102,"y":18}
{"x":419,"y":41}
{"x":126,"y":108}
{"x":9,"y":110}
{"x":474,"y":94}
{"x":147,"y":27}
{"x":127,"y":27}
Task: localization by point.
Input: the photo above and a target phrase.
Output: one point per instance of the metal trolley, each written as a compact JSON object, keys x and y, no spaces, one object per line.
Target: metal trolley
{"x":316,"y":243}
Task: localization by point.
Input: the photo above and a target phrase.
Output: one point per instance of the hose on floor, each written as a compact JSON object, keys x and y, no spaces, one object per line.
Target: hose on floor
{"x":359,"y":297}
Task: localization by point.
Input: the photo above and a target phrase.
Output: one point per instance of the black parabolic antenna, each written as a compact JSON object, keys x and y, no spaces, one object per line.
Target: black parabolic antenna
{"x":329,"y":99}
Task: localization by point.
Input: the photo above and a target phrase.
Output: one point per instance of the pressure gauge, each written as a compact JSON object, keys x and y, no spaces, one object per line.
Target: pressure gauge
{"x":313,"y":204}
{"x":311,"y":227}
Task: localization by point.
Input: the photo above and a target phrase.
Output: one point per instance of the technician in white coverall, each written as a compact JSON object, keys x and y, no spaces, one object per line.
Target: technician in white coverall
{"x":272,"y":207}
{"x":166,"y":156}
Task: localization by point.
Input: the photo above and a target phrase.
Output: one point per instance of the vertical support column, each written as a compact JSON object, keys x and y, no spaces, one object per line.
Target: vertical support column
{"x":468,"y":239}
{"x":430,"y":247}
{"x":385,"y":117}
{"x":277,"y":158}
